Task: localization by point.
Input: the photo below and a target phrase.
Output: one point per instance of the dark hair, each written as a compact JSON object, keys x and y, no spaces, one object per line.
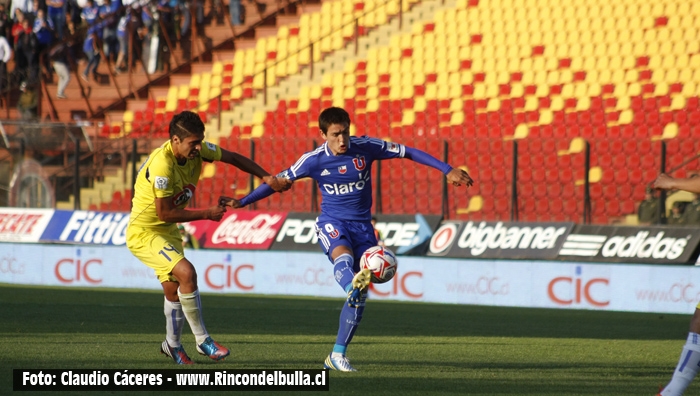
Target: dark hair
{"x":333,"y":115}
{"x":185,"y":124}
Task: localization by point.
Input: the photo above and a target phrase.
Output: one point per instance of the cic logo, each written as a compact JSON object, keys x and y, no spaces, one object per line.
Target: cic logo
{"x":566,"y":290}
{"x":70,"y":270}
{"x":402,"y":284}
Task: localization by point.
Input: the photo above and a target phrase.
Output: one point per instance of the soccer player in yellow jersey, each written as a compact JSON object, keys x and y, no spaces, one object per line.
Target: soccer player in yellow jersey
{"x":689,"y":362}
{"x":164,"y":186}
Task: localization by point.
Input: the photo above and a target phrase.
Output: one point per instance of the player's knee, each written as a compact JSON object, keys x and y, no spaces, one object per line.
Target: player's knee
{"x":185,"y":273}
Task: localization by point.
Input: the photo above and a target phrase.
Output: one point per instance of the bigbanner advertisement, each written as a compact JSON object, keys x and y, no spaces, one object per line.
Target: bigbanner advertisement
{"x":545,"y":284}
{"x":499,"y":240}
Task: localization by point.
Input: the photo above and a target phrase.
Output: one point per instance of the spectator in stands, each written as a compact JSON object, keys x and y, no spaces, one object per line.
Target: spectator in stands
{"x":676,"y":216}
{"x":110,"y":20}
{"x":28,"y":102}
{"x":188,"y":241}
{"x":5,"y":56}
{"x":648,"y":209}
{"x":17,"y":28}
{"x":28,"y":46}
{"x":5,"y":23}
{"x":234,"y":9}
{"x":44,"y":30}
{"x":24,"y":6}
{"x":91,"y":50}
{"x":689,"y":362}
{"x":56,"y":10}
{"x":123,"y":38}
{"x":691,"y":215}
{"x":89,"y":13}
{"x":58,"y":55}
{"x":377,"y":234}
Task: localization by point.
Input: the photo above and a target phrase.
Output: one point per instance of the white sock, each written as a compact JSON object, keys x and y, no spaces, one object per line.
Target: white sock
{"x":687,"y":367}
{"x":192,"y":307}
{"x":174,"y":319}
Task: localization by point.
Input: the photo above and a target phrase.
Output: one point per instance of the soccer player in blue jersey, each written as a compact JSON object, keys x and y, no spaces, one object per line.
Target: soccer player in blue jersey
{"x":342,"y":167}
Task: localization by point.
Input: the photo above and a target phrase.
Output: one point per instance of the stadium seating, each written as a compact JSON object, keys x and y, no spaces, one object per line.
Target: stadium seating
{"x":485,"y":75}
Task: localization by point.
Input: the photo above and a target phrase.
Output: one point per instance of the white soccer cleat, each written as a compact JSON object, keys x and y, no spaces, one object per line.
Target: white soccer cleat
{"x":338,"y":363}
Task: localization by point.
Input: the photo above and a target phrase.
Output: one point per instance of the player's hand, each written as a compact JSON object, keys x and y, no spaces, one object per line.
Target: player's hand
{"x":663,"y":182}
{"x":230,"y":202}
{"x":278,"y":184}
{"x":216,"y":213}
{"x":459,"y":176}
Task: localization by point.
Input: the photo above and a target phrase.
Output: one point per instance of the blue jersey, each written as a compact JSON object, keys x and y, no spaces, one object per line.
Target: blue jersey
{"x":345,"y":180}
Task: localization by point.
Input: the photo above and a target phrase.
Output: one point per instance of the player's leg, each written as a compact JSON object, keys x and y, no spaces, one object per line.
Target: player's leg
{"x":174,"y":322}
{"x":337,"y":243}
{"x":188,"y":294}
{"x":161,"y":252}
{"x":687,"y":367}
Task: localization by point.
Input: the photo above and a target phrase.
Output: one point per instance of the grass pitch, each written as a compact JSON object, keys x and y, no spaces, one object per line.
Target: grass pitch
{"x":400,"y":348}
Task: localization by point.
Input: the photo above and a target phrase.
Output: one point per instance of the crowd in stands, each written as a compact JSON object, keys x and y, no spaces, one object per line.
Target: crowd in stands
{"x":684,"y":213}
{"x":69,"y":30}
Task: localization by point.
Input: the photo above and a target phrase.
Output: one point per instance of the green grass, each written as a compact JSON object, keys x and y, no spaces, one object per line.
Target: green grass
{"x":400,"y":348}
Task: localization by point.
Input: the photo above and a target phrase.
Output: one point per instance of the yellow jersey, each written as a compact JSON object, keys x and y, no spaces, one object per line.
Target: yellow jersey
{"x":162,"y":177}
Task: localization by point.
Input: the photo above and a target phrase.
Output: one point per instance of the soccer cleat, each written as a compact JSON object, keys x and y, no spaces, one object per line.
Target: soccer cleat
{"x":339,"y":363}
{"x":359,"y":283}
{"x":213,"y":349}
{"x":177,"y":354}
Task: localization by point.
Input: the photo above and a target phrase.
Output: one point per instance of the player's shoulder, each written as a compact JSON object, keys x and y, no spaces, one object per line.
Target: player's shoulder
{"x":366,"y":140}
{"x":310,"y":156}
{"x":161,"y":157}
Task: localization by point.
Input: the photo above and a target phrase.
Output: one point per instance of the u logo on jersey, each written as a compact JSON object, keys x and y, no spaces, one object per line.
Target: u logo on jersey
{"x":184,"y":196}
{"x":359,"y":163}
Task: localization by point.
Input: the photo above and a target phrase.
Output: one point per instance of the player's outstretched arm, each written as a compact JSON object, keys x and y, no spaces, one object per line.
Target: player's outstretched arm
{"x":170,"y":213}
{"x":666,"y":182}
{"x":454,"y":175}
{"x":247,"y":165}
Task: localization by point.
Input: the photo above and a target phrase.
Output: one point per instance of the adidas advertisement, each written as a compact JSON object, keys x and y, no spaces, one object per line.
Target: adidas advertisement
{"x":403,"y":234}
{"x":650,"y":244}
{"x":499,"y":240}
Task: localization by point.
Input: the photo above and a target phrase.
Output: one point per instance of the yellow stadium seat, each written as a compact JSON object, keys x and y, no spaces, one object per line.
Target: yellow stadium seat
{"x":634,"y":89}
{"x":557,"y":103}
{"x":688,"y":89}
{"x":678,"y":102}
{"x":476,"y":203}
{"x":623,"y":103}
{"x":583,"y":103}
{"x":670,"y":132}
{"x":521,"y":132}
{"x":183,"y":92}
{"x":577,"y":145}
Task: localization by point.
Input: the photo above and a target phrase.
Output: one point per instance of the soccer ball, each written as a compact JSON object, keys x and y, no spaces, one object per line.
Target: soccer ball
{"x":381,"y":262}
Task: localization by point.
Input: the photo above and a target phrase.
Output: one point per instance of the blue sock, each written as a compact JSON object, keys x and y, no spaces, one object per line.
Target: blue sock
{"x":342,"y":268}
{"x":349,"y":320}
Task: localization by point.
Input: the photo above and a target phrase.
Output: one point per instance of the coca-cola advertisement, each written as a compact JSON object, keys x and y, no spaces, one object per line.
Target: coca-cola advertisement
{"x":249,"y":230}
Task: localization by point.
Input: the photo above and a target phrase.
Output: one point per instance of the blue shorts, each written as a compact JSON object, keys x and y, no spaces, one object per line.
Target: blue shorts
{"x":356,"y":235}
